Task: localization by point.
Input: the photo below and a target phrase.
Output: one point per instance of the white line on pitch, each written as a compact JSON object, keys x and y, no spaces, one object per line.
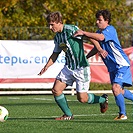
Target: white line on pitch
{"x":45,"y":117}
{"x":48,"y":99}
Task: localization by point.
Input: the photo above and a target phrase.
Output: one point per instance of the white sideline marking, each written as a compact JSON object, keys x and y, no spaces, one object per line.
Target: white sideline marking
{"x":129,"y":102}
{"x":48,"y":99}
{"x":14,"y":98}
{"x":83,"y":115}
{"x":42,"y":99}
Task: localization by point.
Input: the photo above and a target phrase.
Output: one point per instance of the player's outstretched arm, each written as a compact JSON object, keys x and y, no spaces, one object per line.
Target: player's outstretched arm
{"x":102,"y":53}
{"x":50,"y":62}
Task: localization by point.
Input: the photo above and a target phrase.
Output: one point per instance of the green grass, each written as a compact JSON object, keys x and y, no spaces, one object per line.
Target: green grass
{"x":35,"y":114}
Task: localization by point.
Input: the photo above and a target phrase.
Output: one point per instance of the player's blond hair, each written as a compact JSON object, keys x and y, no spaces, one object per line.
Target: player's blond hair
{"x":55,"y":17}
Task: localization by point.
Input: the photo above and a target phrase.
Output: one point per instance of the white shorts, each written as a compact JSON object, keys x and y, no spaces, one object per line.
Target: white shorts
{"x":81,"y":76}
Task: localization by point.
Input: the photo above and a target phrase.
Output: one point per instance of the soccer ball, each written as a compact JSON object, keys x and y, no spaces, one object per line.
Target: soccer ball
{"x":3,"y":114}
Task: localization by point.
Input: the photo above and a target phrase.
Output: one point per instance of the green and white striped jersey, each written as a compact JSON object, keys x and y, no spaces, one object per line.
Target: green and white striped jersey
{"x":72,"y":46}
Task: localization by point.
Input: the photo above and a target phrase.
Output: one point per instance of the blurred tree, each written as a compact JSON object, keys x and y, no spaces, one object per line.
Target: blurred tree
{"x":29,"y":16}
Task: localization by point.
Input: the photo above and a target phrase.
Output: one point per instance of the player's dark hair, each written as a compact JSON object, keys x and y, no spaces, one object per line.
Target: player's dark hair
{"x":105,"y":13}
{"x":54,"y":17}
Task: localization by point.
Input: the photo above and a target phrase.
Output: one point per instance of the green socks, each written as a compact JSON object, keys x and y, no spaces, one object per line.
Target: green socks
{"x":62,"y":103}
{"x":95,"y":99}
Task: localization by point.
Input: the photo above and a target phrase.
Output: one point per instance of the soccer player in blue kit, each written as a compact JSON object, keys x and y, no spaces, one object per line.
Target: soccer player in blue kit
{"x":116,"y":61}
{"x":76,"y":68}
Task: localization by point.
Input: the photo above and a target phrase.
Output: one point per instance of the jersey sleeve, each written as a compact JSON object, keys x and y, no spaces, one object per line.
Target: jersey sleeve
{"x":71,"y":31}
{"x":57,"y":49}
{"x":109,"y":33}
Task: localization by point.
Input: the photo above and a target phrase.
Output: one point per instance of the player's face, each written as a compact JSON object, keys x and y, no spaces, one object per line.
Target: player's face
{"x":101,"y":23}
{"x":55,"y":27}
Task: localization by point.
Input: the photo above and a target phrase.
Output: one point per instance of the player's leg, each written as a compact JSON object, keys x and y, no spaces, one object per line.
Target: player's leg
{"x":82,"y":87}
{"x":60,"y":98}
{"x":127,"y":81}
{"x":90,"y":98}
{"x":128,"y":95}
{"x":117,"y":82}
{"x":62,"y":80}
{"x":119,"y":99}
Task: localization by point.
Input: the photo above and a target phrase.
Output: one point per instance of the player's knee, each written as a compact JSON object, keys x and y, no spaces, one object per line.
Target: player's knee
{"x":82,"y":100}
{"x":116,"y":89}
{"x":56,"y":92}
{"x":82,"y":97}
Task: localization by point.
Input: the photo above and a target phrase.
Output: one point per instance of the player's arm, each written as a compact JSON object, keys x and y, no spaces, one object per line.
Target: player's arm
{"x":96,"y":36}
{"x":50,"y":62}
{"x":92,"y":52}
{"x":102,"y":53}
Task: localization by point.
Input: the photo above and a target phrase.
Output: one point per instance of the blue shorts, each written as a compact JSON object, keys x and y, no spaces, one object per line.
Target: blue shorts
{"x":121,"y":76}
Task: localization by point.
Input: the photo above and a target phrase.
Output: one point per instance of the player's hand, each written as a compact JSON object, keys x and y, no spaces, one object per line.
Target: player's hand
{"x":103,"y":53}
{"x":42,"y":71}
{"x":78,"y":33}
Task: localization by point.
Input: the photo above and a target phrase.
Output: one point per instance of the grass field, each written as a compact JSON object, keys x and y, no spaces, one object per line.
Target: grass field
{"x":36,"y":113}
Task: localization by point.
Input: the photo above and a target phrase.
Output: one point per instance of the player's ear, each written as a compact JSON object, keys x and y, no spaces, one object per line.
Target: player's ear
{"x":60,"y":22}
{"x":107,"y":20}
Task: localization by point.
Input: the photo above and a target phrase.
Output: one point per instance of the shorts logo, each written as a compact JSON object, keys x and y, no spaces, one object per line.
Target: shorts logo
{"x":83,"y":88}
{"x":120,"y":76}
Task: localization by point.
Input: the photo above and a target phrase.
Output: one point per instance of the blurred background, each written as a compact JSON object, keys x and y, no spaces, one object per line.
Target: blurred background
{"x":25,"y":19}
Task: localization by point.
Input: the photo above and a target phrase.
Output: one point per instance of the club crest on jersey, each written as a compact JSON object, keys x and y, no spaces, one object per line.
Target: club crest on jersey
{"x":63,"y":47}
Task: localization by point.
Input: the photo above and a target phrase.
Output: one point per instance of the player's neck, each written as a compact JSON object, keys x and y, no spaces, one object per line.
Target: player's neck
{"x":101,"y":29}
{"x":61,"y":27}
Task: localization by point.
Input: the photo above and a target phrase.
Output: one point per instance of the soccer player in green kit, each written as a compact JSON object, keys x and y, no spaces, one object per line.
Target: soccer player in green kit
{"x":76,"y":68}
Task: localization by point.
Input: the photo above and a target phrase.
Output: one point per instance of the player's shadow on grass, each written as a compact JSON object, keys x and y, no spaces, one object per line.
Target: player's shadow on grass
{"x":103,"y":121}
{"x":30,"y":119}
{"x":75,"y":120}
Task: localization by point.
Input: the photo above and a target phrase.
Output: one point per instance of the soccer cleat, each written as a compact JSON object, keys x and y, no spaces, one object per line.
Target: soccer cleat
{"x":104,"y":106}
{"x":121,"y":117}
{"x":65,"y":117}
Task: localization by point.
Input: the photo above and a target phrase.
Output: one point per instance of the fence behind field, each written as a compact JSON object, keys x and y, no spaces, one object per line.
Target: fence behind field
{"x":125,"y":33}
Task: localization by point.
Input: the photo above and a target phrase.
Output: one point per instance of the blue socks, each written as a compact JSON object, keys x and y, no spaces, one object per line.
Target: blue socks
{"x":120,"y":100}
{"x":120,"y":103}
{"x":128,"y":95}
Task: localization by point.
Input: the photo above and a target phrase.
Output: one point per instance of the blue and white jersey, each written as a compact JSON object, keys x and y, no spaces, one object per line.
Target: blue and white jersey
{"x":116,"y":57}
